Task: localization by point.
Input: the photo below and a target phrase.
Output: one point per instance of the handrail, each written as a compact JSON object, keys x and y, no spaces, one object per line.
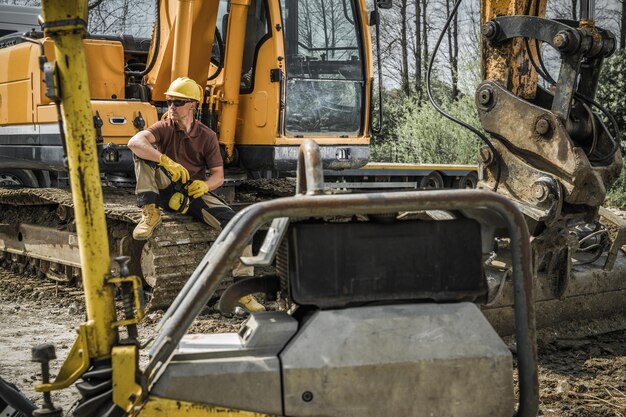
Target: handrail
{"x":310,"y":174}
{"x":238,"y":232}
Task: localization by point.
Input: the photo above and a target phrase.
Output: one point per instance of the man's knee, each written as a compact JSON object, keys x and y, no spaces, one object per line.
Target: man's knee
{"x":211,"y":215}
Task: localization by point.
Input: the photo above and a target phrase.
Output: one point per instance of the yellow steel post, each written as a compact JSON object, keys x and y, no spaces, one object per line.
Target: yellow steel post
{"x":369,"y":64}
{"x":232,"y":74}
{"x":187,"y":28}
{"x":182,"y":39}
{"x":65,"y":23}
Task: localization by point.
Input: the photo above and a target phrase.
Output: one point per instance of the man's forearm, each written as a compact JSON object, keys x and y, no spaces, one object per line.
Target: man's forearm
{"x":142,"y":147}
{"x":147,"y":152}
{"x":214,"y":182}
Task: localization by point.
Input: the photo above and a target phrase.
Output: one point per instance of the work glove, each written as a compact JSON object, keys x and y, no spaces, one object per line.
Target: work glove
{"x":177,"y":171}
{"x":197,"y":188}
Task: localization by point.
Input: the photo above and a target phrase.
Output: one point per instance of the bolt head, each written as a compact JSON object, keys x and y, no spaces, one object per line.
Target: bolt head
{"x":484,"y":96}
{"x":540,"y":191}
{"x":307,"y":396}
{"x":488,"y":30}
{"x":43,"y":353}
{"x":542,"y":126}
{"x":561,"y":40}
{"x":485,"y":155}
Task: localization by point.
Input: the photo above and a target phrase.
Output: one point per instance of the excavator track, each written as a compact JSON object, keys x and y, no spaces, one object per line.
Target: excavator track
{"x":38,"y":236}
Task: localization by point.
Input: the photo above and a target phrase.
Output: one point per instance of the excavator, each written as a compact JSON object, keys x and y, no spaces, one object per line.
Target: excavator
{"x":380,"y":321}
{"x":283,"y":72}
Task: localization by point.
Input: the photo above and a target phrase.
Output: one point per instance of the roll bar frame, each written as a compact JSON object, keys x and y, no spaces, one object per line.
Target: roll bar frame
{"x":308,"y":202}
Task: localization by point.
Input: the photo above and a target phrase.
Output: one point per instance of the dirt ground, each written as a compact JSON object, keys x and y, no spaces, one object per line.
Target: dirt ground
{"x":579,"y":377}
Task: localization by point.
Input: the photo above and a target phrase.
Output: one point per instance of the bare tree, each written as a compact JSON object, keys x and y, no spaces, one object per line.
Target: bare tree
{"x":391,"y":60}
{"x":622,"y":32}
{"x":134,"y":17}
{"x":425,"y":33}
{"x":32,"y":3}
{"x":453,"y":50}
{"x":418,"y":50}
{"x":404,"y":48}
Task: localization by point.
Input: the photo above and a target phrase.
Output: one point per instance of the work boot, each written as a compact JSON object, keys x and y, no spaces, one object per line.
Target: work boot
{"x":149,"y":221}
{"x":250,"y":304}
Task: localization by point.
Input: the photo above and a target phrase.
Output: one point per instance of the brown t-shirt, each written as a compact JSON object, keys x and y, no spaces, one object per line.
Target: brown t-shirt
{"x":196,"y":150}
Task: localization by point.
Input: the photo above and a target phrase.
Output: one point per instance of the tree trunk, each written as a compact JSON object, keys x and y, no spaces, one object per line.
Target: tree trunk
{"x":622,"y":35}
{"x":453,"y":50}
{"x":574,"y":9}
{"x":325,"y":22}
{"x":425,"y":33}
{"x":454,"y":57}
{"x":418,"y":51}
{"x":405,"y":49}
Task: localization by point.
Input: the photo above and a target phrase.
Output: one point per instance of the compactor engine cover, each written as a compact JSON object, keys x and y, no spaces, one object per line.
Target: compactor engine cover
{"x":391,"y":360}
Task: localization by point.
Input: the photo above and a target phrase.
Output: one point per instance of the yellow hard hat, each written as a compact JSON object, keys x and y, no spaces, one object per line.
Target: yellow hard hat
{"x":184,"y":87}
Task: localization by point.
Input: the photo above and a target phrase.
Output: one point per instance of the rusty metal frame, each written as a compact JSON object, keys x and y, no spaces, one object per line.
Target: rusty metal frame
{"x":233,"y":239}
{"x":564,"y":36}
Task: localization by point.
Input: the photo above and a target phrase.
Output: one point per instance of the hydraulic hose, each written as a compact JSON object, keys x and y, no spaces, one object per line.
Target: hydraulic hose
{"x":157,"y":41}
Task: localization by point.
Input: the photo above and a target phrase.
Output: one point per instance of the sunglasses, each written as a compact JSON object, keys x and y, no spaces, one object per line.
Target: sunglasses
{"x":178,"y":103}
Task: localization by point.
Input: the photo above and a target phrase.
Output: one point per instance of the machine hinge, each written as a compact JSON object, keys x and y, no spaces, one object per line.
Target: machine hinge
{"x":97,"y":123}
{"x":51,"y":81}
{"x":276,"y":75}
{"x":138,"y":122}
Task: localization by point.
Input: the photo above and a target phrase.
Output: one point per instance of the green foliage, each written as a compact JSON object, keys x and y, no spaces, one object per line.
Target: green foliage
{"x":419,"y":134}
{"x":612,"y":87}
{"x":612,"y":95}
{"x":616,"y":197}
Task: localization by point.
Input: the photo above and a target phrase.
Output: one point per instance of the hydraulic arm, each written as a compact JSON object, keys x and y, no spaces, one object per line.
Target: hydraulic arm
{"x":555,"y":156}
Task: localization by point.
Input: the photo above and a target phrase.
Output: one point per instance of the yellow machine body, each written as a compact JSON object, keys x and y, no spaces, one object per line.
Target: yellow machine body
{"x":29,"y":117}
{"x":22,"y":88}
{"x":83,"y":169}
{"x":255,"y":99}
{"x":248,"y":99}
{"x":164,"y":407}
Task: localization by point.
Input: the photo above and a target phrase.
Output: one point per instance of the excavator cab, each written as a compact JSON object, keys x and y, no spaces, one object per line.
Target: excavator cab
{"x":378,"y":311}
{"x":305,"y":72}
{"x":325,"y":91}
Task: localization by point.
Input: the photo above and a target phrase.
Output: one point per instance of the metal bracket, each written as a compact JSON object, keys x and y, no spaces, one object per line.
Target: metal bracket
{"x":51,"y":81}
{"x":276,"y":75}
{"x":126,"y":391}
{"x":617,"y":230}
{"x":97,"y":124}
{"x":138,"y":299}
{"x":564,"y":36}
{"x":75,"y":365}
{"x":270,"y":246}
{"x":66,"y":24}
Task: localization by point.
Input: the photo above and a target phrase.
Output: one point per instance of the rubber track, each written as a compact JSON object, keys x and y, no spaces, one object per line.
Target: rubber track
{"x":167,"y":259}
